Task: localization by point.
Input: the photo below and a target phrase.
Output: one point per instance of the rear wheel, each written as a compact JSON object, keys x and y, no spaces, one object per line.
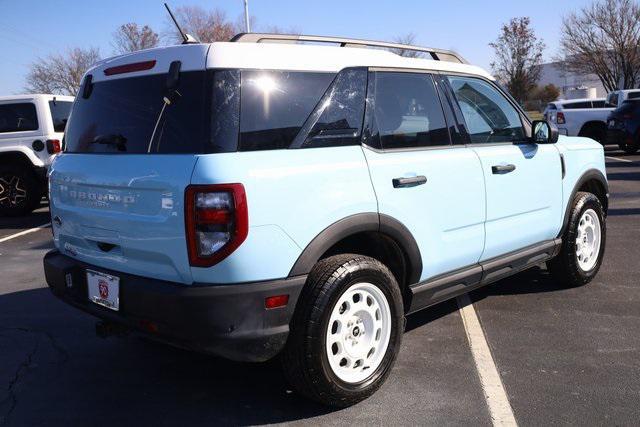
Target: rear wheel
{"x":19,"y":191}
{"x":346,"y":331}
{"x":595,"y":131}
{"x":583,"y":243}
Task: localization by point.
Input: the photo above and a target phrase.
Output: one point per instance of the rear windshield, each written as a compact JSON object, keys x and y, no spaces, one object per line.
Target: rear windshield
{"x":216,"y":111}
{"x":60,"y":114}
{"x":130,"y":115}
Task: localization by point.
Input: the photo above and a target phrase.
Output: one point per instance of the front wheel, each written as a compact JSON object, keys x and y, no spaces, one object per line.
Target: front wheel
{"x":583,"y":242}
{"x":346,"y":331}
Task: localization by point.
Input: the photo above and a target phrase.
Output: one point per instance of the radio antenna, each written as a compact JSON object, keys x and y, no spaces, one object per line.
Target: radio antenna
{"x":186,"y":38}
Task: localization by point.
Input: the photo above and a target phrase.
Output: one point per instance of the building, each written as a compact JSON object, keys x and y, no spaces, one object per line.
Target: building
{"x":571,"y":85}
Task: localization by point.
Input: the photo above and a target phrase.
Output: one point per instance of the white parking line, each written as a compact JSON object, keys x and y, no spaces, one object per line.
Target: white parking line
{"x":619,"y":159}
{"x":22,"y":233}
{"x":497,"y":400}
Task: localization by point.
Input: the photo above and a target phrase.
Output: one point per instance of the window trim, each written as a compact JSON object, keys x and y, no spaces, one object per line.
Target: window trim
{"x":367,"y":117}
{"x":36,"y":107}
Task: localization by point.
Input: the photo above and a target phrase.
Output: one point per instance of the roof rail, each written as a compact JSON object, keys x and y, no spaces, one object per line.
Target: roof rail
{"x":436,"y":54}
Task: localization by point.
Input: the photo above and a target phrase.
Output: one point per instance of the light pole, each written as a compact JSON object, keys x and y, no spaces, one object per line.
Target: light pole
{"x":246,"y":16}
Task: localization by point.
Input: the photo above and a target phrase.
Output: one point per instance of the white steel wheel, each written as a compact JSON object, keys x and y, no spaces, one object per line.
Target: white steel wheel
{"x":358,"y":332}
{"x":588,"y":240}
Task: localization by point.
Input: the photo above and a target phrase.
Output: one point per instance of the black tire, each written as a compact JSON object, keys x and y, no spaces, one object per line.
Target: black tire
{"x":20,"y":193}
{"x":595,"y":131}
{"x":565,"y":266}
{"x":629,"y":149}
{"x":305,"y":361}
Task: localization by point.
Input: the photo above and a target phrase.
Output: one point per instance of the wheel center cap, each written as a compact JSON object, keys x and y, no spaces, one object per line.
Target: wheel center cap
{"x":356,"y":331}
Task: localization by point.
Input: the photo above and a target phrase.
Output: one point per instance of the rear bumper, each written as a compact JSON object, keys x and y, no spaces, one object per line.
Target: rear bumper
{"x":226,"y":320}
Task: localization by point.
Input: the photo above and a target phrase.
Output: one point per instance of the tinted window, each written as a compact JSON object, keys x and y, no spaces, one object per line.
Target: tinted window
{"x":577,"y":105}
{"x":225,"y":111}
{"x":18,"y":117}
{"x":275,"y":105}
{"x":337,"y":119}
{"x":59,"y":114}
{"x":612,"y":100}
{"x":488,"y":115}
{"x":633,"y":95}
{"x":407,"y":111}
{"x":120,"y":116}
{"x":598,"y":104}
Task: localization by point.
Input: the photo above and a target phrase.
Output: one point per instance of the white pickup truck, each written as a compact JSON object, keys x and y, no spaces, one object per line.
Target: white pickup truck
{"x":587,"y":117}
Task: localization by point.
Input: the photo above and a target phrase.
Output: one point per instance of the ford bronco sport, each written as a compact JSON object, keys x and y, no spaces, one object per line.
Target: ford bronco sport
{"x":251,"y":199}
{"x":31,"y":129}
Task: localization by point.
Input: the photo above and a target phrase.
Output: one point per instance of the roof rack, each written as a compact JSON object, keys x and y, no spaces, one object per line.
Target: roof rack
{"x":436,"y":54}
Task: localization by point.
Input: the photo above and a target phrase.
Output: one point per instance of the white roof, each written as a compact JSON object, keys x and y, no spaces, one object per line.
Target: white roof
{"x":569,"y":101}
{"x":273,"y":56}
{"x":307,"y":57}
{"x":33,"y":96}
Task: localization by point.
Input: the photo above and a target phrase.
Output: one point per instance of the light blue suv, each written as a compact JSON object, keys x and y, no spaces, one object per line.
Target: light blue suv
{"x":250,"y":198}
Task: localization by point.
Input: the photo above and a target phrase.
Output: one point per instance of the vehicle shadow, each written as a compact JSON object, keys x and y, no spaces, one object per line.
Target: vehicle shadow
{"x":72,"y":376}
{"x":39,"y":217}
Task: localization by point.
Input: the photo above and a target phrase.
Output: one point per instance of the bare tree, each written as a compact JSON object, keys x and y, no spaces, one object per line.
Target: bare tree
{"x":130,"y":38}
{"x":206,"y":25}
{"x":60,"y":73}
{"x":275,"y":29}
{"x":518,"y":56}
{"x":604,"y":39}
{"x":408,"y":38}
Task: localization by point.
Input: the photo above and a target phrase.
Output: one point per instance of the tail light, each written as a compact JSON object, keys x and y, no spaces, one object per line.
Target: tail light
{"x":217,"y":222}
{"x":560,"y":119}
{"x":53,"y":146}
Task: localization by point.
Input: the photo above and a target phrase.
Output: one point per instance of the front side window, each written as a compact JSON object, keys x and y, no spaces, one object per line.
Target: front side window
{"x":18,"y":117}
{"x":406,"y":111}
{"x":275,"y":104}
{"x":488,"y":115}
{"x":60,"y":114}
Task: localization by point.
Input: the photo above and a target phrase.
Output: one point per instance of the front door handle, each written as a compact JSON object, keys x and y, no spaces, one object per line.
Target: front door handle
{"x":409,"y":182}
{"x":501,"y":169}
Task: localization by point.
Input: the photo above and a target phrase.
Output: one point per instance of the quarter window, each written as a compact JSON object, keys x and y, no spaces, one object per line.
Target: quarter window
{"x":275,"y":105}
{"x":407,"y":111}
{"x":488,"y":115}
{"x":18,"y":117}
{"x":337,"y":119}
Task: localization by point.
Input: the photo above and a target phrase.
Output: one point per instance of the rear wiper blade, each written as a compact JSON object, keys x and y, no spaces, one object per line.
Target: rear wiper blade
{"x":111,"y":139}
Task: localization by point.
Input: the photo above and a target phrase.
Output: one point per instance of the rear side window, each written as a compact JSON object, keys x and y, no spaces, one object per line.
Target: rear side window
{"x":407,"y":111}
{"x":577,"y":105}
{"x":59,"y":114}
{"x":634,"y":95}
{"x":488,"y":114}
{"x":598,"y":104}
{"x":275,"y":105}
{"x":18,"y":117}
{"x":337,"y":119}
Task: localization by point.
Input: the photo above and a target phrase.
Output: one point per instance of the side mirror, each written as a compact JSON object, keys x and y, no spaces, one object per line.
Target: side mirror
{"x":544,"y":132}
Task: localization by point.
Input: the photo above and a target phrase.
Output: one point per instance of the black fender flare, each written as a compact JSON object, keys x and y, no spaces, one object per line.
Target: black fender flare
{"x":586,"y":176}
{"x":358,"y":223}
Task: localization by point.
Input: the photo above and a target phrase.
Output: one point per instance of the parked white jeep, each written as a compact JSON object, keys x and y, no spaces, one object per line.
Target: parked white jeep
{"x":31,"y":130}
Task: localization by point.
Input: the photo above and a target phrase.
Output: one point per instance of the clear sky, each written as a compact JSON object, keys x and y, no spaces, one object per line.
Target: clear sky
{"x":36,"y":28}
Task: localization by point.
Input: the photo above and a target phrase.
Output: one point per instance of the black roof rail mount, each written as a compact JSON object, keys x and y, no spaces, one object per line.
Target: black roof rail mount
{"x":436,"y":54}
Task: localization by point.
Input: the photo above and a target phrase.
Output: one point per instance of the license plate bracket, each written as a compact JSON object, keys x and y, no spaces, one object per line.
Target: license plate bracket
{"x":103,"y":289}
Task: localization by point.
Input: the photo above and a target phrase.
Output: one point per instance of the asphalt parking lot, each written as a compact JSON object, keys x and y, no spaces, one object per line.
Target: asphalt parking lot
{"x":565,"y":356}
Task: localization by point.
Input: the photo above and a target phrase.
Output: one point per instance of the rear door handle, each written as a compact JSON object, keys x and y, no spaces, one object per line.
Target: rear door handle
{"x":501,"y":169}
{"x":409,"y":182}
